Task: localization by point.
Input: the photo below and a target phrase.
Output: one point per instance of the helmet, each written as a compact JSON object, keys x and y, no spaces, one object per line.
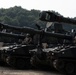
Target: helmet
{"x":27,"y":35}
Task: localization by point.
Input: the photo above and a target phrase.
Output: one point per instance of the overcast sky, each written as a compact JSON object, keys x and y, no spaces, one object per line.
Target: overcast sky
{"x":67,"y":8}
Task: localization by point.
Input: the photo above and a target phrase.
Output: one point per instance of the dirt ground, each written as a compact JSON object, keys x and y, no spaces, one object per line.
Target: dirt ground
{"x":5,"y":70}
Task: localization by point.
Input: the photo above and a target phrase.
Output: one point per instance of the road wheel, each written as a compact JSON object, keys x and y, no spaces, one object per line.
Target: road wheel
{"x":69,"y":68}
{"x":20,"y":63}
{"x":59,"y":64}
{"x":7,"y":60}
{"x":10,"y":61}
{"x":34,"y":61}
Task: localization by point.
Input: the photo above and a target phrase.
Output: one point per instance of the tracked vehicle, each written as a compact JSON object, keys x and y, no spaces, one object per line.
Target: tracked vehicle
{"x":64,"y":57}
{"x":16,"y":54}
{"x":44,"y":56}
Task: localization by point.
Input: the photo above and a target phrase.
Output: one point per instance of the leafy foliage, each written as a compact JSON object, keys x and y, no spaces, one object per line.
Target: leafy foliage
{"x":20,"y":17}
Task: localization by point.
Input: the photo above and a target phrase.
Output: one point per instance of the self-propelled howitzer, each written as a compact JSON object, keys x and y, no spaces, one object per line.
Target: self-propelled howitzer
{"x":16,"y":55}
{"x":42,"y":56}
{"x":63,"y":58}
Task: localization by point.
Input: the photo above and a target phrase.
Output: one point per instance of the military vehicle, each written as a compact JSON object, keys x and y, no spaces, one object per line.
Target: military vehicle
{"x":63,"y":58}
{"x":41,"y":56}
{"x":15,"y":54}
{"x":19,"y":55}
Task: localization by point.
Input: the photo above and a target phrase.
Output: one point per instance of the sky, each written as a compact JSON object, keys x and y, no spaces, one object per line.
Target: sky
{"x":67,"y":8}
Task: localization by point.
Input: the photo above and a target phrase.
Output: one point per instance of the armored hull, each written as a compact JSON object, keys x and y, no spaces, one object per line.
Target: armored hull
{"x":41,"y":58}
{"x":17,"y":56}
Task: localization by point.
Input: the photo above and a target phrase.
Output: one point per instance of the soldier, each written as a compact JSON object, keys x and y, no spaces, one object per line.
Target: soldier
{"x":4,"y":30}
{"x":73,"y":34}
{"x":27,"y":40}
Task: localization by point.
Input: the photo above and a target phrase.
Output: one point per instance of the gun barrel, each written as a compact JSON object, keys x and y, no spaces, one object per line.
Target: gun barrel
{"x":12,"y":35}
{"x":52,"y":17}
{"x":58,"y":35}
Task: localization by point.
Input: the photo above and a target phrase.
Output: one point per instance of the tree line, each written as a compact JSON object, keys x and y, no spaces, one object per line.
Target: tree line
{"x":20,"y":17}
